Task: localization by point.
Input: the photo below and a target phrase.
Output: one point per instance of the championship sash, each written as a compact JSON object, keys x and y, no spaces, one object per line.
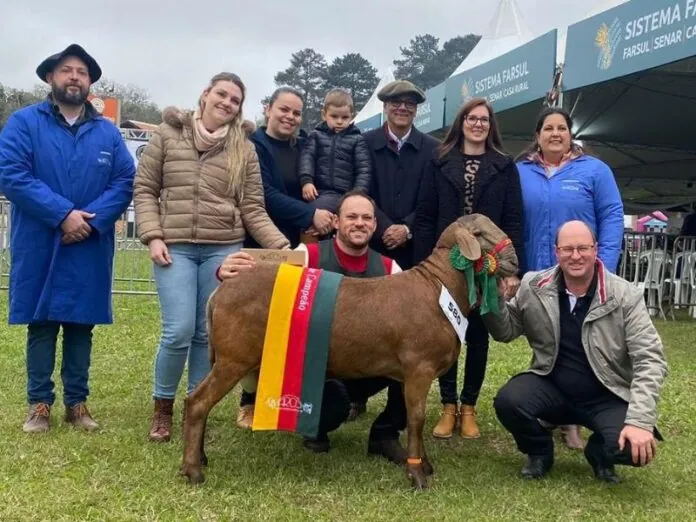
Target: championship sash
{"x":295,"y":350}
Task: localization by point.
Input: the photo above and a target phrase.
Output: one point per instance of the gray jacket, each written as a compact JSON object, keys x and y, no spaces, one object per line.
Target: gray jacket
{"x":619,"y":338}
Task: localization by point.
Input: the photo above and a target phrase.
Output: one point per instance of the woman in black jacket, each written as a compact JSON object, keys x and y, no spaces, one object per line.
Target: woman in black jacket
{"x":470,"y":175}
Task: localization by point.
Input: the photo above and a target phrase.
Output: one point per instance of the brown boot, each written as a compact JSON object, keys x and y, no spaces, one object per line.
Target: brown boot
{"x":161,"y":427}
{"x":469,"y":428}
{"x":572,"y":437}
{"x":39,"y":418}
{"x":447,"y":422}
{"x":80,"y":417}
{"x":245,"y":417}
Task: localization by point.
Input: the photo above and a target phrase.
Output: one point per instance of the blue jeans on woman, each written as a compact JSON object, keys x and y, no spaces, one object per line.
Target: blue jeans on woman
{"x":184,"y":287}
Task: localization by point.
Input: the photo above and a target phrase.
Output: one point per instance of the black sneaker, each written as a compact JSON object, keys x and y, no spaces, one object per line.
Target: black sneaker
{"x":537,"y":466}
{"x":319,"y":445}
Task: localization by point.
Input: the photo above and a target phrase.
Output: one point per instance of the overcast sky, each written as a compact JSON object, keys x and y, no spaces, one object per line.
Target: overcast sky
{"x":172,"y":48}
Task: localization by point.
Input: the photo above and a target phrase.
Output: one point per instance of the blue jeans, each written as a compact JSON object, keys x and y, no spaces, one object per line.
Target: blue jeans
{"x":41,"y":361}
{"x":184,"y":288}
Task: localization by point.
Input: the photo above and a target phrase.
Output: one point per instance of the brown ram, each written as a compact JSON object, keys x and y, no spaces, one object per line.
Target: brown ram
{"x":390,"y":326}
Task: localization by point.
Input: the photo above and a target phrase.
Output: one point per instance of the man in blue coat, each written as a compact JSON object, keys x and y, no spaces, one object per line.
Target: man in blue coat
{"x":69,"y":177}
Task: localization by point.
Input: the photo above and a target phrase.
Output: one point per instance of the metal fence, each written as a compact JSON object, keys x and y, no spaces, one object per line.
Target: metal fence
{"x":132,"y":273}
{"x":663,"y":266}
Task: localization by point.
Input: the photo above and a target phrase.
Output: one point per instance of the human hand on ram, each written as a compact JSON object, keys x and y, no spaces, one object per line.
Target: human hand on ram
{"x":235,"y":263}
{"x":512,"y":284}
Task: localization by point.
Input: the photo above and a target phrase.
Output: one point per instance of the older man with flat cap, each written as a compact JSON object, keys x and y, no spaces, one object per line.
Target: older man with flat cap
{"x":69,"y":177}
{"x":400,"y":154}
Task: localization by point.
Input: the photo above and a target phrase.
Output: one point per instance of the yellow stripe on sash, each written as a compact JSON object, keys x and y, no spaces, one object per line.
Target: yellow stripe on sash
{"x":275,"y":347}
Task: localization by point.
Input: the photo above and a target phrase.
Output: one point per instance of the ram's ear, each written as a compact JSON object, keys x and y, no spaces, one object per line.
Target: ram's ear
{"x":468,"y":244}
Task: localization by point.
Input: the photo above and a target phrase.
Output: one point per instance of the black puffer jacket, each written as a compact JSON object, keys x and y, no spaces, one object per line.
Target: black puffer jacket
{"x":337,"y":162}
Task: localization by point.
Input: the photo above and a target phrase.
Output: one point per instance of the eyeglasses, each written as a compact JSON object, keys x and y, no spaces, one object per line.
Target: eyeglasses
{"x":473,"y":120}
{"x":410,"y":105}
{"x":583,"y":250}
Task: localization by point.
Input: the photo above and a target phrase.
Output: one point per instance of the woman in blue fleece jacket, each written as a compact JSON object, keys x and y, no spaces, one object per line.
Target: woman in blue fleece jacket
{"x":560,"y":183}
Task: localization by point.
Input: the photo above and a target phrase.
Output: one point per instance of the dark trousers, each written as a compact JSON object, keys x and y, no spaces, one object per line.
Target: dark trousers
{"x":41,"y":360}
{"x":474,"y":366}
{"x":336,"y":405}
{"x":327,"y":200}
{"x":392,"y":420}
{"x":528,"y":397}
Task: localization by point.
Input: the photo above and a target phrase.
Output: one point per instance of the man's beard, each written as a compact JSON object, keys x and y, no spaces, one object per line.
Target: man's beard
{"x":346,"y":240}
{"x":63,"y":95}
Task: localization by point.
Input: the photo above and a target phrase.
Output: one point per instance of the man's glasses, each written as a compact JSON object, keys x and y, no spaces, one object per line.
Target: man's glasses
{"x":473,"y":120}
{"x":583,"y":250}
{"x":396,"y":104}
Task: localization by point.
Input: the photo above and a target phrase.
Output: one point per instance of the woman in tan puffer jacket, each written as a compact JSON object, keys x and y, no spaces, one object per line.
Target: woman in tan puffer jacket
{"x":198,"y":192}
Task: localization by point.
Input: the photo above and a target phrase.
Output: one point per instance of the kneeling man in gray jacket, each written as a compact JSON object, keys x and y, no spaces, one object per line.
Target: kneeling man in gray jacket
{"x":598,"y":361}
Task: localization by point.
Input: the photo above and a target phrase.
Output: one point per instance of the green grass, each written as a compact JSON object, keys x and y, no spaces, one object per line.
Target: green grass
{"x":116,"y":474}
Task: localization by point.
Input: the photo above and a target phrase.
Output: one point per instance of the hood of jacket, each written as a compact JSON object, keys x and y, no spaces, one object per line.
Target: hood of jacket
{"x":351,"y":129}
{"x":179,"y":118}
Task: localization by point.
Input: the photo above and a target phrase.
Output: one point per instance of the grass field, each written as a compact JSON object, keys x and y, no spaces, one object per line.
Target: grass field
{"x":116,"y":474}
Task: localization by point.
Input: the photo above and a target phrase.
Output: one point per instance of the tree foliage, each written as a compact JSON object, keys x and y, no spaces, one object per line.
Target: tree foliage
{"x":306,"y":73}
{"x":355,"y":74}
{"x":423,"y":62}
{"x":311,"y":74}
{"x":426,"y":64}
{"x":14,"y":99}
{"x":136,"y":103}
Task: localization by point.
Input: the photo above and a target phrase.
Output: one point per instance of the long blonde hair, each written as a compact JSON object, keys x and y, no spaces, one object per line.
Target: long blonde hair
{"x":236,"y":144}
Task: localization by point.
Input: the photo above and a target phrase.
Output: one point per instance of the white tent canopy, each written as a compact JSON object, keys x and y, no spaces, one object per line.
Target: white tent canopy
{"x":374,"y":105}
{"x":506,"y":32}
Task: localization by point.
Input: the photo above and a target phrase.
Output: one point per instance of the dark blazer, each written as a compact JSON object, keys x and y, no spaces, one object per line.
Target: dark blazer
{"x":290,"y":215}
{"x":497,"y":195}
{"x":396,"y":178}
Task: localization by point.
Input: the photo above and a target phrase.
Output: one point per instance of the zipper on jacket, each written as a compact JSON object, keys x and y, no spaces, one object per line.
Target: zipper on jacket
{"x":585,"y":341}
{"x":332,"y":155}
{"x":556,"y":340}
{"x":196,"y":186}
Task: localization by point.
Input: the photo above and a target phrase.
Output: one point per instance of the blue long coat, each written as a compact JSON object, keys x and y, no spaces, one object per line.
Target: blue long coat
{"x":46,"y":172}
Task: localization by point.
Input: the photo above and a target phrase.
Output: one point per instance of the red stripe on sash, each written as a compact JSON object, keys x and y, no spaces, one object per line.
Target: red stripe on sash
{"x":297,"y":343}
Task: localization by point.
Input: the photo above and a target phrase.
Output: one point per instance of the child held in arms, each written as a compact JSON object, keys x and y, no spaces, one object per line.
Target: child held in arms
{"x":335,"y":159}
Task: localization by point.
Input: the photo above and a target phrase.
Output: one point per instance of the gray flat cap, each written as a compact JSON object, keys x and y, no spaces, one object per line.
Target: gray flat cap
{"x":399,"y":88}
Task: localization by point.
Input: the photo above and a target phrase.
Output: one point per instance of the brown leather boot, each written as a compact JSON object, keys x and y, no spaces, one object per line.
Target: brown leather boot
{"x":245,"y":417}
{"x":80,"y":417}
{"x":447,"y":422}
{"x":38,"y":419}
{"x":161,"y":427}
{"x":469,"y":428}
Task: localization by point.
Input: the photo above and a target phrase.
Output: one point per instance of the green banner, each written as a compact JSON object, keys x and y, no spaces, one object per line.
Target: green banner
{"x":631,"y":37}
{"x":520,"y":76}
{"x":370,"y":123}
{"x":430,"y":114}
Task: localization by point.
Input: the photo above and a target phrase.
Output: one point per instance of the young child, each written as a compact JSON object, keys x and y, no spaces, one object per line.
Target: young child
{"x":335,"y":159}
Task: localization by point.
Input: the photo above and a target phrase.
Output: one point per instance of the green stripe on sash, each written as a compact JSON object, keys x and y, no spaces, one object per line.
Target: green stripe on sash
{"x":317,"y":352}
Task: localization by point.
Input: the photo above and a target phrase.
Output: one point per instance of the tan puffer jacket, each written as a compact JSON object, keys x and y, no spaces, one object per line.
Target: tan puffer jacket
{"x":180,"y":197}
